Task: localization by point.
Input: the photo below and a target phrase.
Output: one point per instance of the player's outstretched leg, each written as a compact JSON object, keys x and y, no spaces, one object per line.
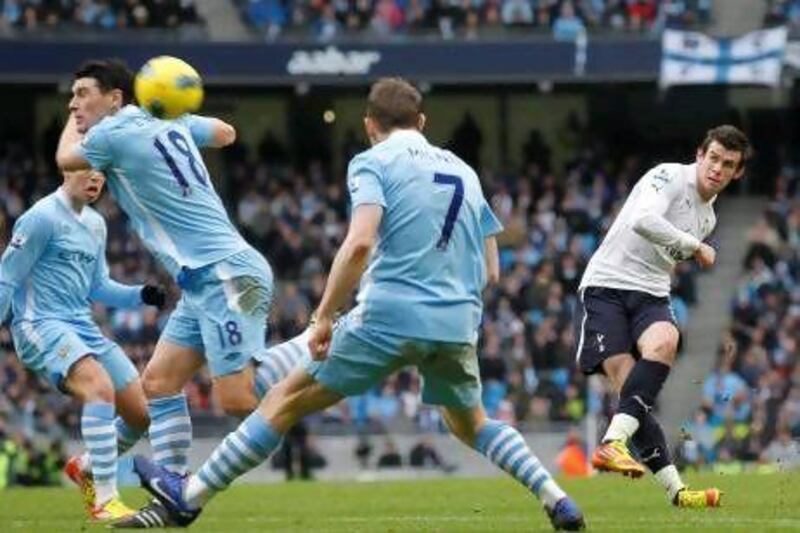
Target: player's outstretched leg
{"x":658,"y":345}
{"x":277,"y":362}
{"x":253,"y":441}
{"x":651,"y":444}
{"x":183,"y":496}
{"x":504,"y":446}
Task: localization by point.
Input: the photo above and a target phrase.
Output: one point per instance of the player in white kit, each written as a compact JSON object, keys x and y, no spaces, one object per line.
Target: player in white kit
{"x":627,"y":328}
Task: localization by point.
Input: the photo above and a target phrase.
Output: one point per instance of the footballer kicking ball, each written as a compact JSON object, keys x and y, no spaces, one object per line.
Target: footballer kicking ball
{"x":168,"y":87}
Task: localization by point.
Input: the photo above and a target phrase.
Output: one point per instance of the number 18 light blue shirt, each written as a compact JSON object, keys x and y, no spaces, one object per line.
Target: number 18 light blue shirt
{"x":158,"y":177}
{"x":427,"y":272}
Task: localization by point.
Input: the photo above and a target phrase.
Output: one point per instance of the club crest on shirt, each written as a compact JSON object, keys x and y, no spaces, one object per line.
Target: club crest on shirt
{"x":353,"y":183}
{"x":18,"y":240}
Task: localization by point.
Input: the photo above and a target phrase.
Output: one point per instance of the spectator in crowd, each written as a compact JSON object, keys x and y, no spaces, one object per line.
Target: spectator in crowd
{"x":572,"y":460}
{"x":566,"y":19}
{"x":568,"y":27}
{"x":104,"y":15}
{"x":390,"y":457}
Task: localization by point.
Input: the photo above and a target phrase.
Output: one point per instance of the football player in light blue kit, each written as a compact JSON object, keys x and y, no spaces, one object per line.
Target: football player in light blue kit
{"x":53,"y":268}
{"x":157,"y":176}
{"x":421,"y":240}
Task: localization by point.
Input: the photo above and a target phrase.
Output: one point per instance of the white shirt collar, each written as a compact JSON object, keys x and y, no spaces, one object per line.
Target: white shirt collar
{"x":406,"y":133}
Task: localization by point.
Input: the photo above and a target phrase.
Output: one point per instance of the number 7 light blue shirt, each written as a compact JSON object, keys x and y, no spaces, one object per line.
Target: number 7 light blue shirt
{"x":157,"y":175}
{"x":426,"y":275}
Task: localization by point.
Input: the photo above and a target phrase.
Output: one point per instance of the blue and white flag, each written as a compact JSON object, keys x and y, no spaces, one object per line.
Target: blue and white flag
{"x":694,"y":58}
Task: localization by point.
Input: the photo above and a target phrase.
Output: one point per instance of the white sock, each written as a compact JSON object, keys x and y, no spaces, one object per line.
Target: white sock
{"x":622,"y":427}
{"x":550,"y":493}
{"x":670,"y":479}
{"x":197,"y":493}
{"x":85,"y":463}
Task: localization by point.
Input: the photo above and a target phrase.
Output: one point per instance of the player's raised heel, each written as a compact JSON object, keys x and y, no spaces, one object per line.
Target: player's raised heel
{"x":613,"y":456}
{"x":566,"y":516}
{"x":698,"y":499}
{"x":167,"y":487}
{"x":83,"y":480}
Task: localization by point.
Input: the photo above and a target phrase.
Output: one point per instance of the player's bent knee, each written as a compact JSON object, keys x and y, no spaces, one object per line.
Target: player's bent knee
{"x":156,"y":385}
{"x":89,"y":382}
{"x":664,"y":351}
{"x":465,"y":424}
{"x":660,"y":344}
{"x":238,"y":405}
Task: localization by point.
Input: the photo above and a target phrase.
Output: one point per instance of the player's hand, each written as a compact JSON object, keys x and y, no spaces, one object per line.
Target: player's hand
{"x":153,"y":295}
{"x":705,"y":255}
{"x":320,"y":339}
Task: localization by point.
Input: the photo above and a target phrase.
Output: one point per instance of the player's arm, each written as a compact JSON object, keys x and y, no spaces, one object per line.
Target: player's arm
{"x":366,"y":195}
{"x":223,"y":134}
{"x":492,"y":260}
{"x":660,"y":190}
{"x":28,"y":240}
{"x":351,"y":259}
{"x":210,"y":131}
{"x":68,"y":155}
{"x":490,"y":227}
{"x":115,"y":294}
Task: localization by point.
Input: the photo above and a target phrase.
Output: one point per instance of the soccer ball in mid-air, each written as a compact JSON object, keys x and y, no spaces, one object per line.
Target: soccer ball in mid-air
{"x":168,"y":87}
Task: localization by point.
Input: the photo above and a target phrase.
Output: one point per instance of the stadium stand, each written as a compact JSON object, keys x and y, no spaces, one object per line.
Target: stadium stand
{"x":329,"y":20}
{"x":101,"y":14}
{"x":751,"y":400}
{"x":780,"y":12}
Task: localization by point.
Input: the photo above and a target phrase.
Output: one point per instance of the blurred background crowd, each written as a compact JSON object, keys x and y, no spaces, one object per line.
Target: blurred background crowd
{"x":751,"y":400}
{"x":330,"y":19}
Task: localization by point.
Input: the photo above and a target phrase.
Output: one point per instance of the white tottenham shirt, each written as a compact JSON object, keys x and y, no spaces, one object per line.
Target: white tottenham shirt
{"x":662,"y":222}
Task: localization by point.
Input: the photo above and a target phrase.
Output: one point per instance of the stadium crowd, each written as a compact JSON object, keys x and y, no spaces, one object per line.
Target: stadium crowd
{"x":780,"y":12}
{"x":331,"y":19}
{"x":751,"y":400}
{"x":102,"y":14}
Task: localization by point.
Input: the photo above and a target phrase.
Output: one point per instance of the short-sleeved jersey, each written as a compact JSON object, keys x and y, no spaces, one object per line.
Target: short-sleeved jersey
{"x":425,"y":277}
{"x":55,"y":264}
{"x":626,"y":259}
{"x":157,"y":175}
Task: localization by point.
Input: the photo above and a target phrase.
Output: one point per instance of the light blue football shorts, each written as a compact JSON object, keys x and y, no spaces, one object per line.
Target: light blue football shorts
{"x":50,"y":347}
{"x":360,"y":358}
{"x":223,"y":311}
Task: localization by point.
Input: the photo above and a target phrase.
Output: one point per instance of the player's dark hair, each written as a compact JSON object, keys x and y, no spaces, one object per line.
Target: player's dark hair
{"x":110,"y":74}
{"x":731,"y":138}
{"x":394,"y":103}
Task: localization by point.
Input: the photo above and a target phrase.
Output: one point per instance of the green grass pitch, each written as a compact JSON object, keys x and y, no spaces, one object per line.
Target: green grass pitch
{"x":751,"y":503}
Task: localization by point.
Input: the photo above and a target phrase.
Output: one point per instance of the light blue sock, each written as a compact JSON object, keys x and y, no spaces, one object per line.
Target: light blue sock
{"x":100,"y":437}
{"x":244,"y":449}
{"x":170,"y":432}
{"x":504,"y":446}
{"x":277,"y":362}
{"x":126,"y":438}
{"x":126,"y":435}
